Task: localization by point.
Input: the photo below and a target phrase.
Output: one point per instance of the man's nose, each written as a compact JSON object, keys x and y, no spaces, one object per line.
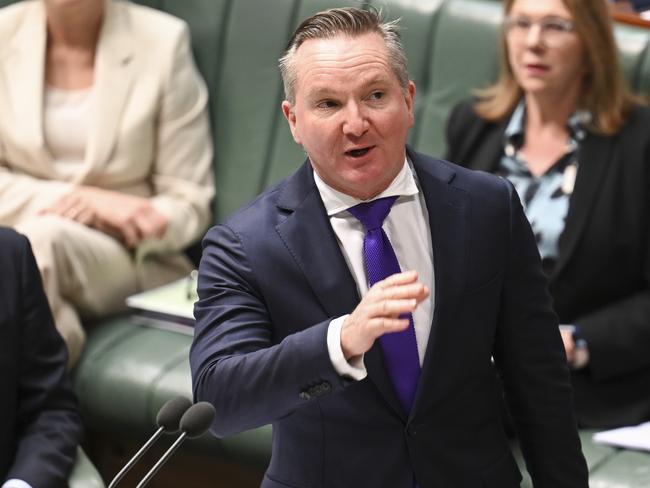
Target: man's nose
{"x":356,"y":122}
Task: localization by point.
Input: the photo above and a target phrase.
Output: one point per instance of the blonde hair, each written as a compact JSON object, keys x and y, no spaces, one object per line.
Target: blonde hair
{"x":604,"y":91}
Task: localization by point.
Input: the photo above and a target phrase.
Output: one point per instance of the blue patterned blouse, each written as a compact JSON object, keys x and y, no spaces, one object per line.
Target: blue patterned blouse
{"x":545,"y":198}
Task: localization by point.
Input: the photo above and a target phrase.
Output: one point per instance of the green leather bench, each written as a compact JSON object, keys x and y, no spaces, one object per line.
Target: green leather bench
{"x":84,"y":474}
{"x":128,"y":371}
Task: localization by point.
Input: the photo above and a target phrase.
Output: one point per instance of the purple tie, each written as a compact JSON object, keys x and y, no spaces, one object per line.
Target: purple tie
{"x":400,"y":348}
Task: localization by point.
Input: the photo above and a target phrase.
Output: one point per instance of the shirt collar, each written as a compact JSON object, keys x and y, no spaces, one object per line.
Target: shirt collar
{"x":335,"y":201}
{"x":514,"y":133}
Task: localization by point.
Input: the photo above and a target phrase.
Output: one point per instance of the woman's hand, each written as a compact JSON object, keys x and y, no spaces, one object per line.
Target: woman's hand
{"x":128,"y":218}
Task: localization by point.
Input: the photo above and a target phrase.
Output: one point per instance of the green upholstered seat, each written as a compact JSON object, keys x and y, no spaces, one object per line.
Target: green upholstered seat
{"x":84,"y":474}
{"x":608,"y":467}
{"x":129,"y":370}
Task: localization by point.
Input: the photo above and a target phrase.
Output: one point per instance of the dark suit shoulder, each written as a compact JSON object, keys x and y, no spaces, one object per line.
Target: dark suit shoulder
{"x":14,"y":246}
{"x":257,"y":213}
{"x":487,"y":192}
{"x":274,"y":204}
{"x":9,"y":237}
{"x":462,"y":115}
{"x":471,"y":140}
{"x":459,"y":176}
{"x":465,"y":110}
{"x":637,"y":123}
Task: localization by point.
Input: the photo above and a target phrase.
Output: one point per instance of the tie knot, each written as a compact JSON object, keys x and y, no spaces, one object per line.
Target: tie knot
{"x":372,"y":214}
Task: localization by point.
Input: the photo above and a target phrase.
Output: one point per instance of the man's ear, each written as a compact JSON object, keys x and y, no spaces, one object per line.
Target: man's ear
{"x":410,"y":98}
{"x":290,"y":115}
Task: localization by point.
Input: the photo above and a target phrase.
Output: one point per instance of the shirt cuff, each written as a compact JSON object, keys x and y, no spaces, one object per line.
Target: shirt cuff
{"x":355,"y":368}
{"x":14,"y":483}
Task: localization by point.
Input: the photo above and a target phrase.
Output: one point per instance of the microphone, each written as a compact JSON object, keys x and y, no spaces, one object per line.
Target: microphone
{"x":194,"y":423}
{"x":167,"y":420}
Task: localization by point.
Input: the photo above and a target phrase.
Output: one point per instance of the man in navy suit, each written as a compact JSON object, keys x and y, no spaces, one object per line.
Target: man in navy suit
{"x":41,"y":426}
{"x":371,"y":377}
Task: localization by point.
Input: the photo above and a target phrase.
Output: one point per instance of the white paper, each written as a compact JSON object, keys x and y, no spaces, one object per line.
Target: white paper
{"x":176,"y":298}
{"x":637,"y":437}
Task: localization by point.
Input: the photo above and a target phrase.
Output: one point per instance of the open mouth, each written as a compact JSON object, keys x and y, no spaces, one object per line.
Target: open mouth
{"x":358,"y":153}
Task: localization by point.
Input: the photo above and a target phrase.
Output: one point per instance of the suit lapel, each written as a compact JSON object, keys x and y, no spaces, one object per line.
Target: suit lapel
{"x":312,"y":243}
{"x":448,"y":209}
{"x":114,"y":73}
{"x":25,"y":68}
{"x":309,"y":237}
{"x":594,"y":155}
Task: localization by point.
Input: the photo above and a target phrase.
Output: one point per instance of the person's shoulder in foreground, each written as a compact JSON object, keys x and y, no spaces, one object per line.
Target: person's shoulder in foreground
{"x":42,"y":426}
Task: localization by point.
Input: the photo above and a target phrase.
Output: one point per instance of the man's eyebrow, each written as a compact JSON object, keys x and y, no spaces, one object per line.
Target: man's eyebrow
{"x":320,"y":91}
{"x":316,"y":91}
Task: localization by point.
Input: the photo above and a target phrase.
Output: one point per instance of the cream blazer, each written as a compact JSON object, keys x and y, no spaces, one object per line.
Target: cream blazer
{"x":149,"y":134}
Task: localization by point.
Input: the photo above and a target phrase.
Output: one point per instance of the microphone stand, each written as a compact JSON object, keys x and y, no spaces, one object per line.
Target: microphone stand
{"x":137,"y":456}
{"x":162,"y":460}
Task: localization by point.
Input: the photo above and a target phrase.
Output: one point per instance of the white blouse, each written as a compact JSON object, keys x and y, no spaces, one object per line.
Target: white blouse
{"x":66,"y":117}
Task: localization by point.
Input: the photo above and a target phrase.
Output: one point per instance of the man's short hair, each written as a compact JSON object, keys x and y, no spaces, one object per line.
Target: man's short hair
{"x":348,"y":21}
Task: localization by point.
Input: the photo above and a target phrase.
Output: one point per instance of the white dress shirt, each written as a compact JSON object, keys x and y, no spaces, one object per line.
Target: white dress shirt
{"x":407,"y":227}
{"x":14,"y":483}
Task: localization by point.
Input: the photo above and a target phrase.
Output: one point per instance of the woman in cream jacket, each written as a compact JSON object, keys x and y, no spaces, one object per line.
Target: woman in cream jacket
{"x":105,"y":150}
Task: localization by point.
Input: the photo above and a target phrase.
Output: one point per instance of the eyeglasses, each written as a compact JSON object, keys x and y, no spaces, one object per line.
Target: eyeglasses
{"x":553,"y":30}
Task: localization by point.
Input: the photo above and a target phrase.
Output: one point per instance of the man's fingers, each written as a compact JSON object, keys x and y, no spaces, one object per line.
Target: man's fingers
{"x":403,"y":278}
{"x":381,"y":311}
{"x":391,"y":308}
{"x":386,"y":325}
{"x":414,"y":290}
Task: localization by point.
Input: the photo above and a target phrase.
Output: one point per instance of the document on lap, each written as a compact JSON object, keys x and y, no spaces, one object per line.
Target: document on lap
{"x":173,"y":302}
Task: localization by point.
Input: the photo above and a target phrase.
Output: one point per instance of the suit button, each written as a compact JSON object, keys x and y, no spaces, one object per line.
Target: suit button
{"x":411,"y":431}
{"x":319,"y":389}
{"x":304,"y":395}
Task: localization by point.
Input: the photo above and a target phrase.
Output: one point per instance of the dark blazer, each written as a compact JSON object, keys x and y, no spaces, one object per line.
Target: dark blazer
{"x":273,"y":277}
{"x":41,"y":426}
{"x":602,"y":278}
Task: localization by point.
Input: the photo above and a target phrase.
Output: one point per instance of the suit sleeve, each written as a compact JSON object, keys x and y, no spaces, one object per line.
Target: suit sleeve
{"x":530,"y":358}
{"x":618,"y":333}
{"x":21,"y":194}
{"x":182,"y":178}
{"x":237,"y":364}
{"x":49,"y":425}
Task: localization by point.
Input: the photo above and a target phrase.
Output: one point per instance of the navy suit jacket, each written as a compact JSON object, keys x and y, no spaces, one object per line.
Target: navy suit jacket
{"x":271,"y":279}
{"x":41,"y":426}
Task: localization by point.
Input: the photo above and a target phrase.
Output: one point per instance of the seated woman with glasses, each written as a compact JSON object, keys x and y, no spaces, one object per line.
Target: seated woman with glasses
{"x":561,"y":126}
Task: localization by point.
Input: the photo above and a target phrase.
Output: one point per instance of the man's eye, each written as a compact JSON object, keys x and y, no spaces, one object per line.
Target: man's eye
{"x":327,"y":104}
{"x":377,"y":95}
